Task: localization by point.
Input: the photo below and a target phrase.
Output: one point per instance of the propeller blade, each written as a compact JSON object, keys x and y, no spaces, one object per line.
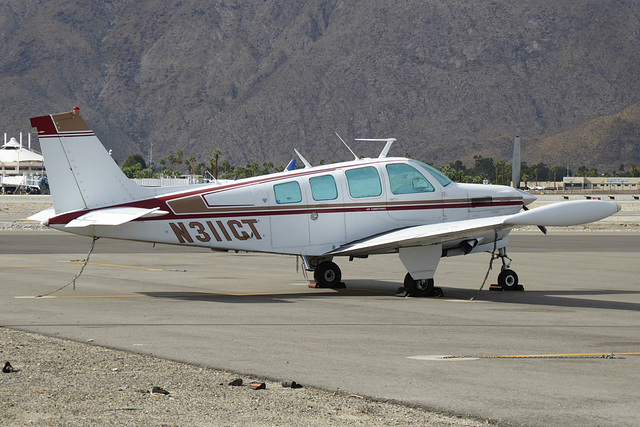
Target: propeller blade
{"x":541,"y":227}
{"x":515,"y":168}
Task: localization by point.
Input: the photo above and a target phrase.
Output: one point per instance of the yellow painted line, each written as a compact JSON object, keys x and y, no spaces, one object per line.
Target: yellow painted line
{"x":602,"y":355}
{"x":533,"y":356}
{"x":120,"y":266}
{"x":35,"y":266}
{"x":90,"y":296}
{"x":81,"y":262}
{"x":196,"y":295}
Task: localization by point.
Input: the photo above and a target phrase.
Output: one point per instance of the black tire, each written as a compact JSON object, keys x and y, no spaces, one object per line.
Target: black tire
{"x":418,"y":288}
{"x":508,"y":279}
{"x":328,"y":275}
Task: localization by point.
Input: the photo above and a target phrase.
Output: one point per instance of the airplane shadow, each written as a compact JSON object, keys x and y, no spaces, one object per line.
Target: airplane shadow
{"x":355,"y":288}
{"x":560,"y":299}
{"x":385,"y":289}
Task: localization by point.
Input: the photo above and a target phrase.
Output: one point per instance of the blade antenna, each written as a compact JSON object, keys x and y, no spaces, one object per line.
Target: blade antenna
{"x":345,"y":144}
{"x":386,"y":148}
{"x":306,"y":164}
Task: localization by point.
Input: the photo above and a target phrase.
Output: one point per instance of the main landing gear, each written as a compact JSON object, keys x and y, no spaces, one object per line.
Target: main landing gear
{"x":326,"y":273}
{"x":507,"y":279}
{"x":421,"y":288}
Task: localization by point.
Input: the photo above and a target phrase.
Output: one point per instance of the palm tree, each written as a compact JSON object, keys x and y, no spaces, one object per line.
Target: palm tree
{"x":555,"y":174}
{"x":213,"y":162}
{"x":188,"y":163}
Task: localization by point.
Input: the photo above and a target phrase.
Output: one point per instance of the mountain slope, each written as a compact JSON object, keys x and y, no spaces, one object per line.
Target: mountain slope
{"x":448,"y":79}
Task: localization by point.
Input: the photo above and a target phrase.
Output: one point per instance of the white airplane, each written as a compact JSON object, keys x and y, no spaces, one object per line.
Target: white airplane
{"x":352,"y":209}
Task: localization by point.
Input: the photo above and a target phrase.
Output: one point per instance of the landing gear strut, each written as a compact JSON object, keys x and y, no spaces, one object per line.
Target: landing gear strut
{"x":507,"y":279}
{"x":421,"y":288}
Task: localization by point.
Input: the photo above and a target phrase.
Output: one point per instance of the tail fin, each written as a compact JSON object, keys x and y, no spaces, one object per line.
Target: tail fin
{"x":82,"y":174}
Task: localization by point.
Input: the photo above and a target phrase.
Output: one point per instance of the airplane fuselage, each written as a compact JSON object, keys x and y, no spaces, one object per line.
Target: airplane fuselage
{"x":309,"y":211}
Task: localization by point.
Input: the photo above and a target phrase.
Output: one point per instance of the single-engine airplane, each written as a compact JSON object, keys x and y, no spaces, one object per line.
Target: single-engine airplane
{"x":354,"y":209}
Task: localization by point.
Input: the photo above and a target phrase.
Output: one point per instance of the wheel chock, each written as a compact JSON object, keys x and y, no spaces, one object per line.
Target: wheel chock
{"x":258,"y":386}
{"x":313,"y":284}
{"x":291,"y":384}
{"x":236,"y":383}
{"x":496,"y":287}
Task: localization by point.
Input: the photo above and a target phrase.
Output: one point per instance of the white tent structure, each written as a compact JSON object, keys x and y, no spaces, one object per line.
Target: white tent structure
{"x":19,"y":167}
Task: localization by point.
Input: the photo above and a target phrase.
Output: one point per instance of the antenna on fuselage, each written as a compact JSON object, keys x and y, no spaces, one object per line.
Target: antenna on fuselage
{"x":345,"y":144}
{"x":387,"y":146}
{"x":306,"y":164}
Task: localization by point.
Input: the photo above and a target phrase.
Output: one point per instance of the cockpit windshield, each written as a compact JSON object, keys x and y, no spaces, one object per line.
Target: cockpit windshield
{"x":439,"y":176}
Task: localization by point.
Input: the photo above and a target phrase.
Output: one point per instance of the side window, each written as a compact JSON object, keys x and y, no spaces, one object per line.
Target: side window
{"x":288,"y":192}
{"x":404,"y":179}
{"x":323,"y":188}
{"x":364,"y":182}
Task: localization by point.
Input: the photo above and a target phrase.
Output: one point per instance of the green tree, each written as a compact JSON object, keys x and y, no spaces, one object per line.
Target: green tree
{"x":213,"y":162}
{"x":133,"y":160}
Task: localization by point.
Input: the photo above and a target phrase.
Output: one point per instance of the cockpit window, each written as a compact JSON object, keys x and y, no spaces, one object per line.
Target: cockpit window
{"x":364,"y":182}
{"x":404,"y":179}
{"x":288,"y":192}
{"x":443,"y":179}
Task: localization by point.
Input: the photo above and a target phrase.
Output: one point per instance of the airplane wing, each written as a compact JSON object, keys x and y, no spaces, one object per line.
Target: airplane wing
{"x":557,"y":214}
{"x":114,"y":216}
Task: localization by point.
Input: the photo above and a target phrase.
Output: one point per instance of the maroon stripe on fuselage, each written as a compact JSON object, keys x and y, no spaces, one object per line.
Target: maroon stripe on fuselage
{"x":280,"y":210}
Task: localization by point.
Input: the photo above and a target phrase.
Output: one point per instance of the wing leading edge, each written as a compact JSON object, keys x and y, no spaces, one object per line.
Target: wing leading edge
{"x":557,"y":214}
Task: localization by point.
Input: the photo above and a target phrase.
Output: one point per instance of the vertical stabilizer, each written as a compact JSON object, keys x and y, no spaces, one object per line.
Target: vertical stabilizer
{"x":81,"y":173}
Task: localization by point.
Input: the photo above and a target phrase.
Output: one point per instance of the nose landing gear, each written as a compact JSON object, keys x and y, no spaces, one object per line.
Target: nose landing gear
{"x":507,"y":279}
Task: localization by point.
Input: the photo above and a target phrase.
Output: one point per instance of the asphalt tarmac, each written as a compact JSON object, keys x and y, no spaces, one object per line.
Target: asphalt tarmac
{"x":523,"y":358}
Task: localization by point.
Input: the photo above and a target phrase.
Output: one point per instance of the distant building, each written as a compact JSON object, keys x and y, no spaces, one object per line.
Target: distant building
{"x":608,"y":184}
{"x":20,"y":168}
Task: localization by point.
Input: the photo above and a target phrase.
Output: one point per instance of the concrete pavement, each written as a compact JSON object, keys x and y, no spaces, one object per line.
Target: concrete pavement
{"x":254,"y":314}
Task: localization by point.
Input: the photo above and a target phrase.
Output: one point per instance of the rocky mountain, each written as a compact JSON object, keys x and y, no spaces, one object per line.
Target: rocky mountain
{"x":449,"y":79}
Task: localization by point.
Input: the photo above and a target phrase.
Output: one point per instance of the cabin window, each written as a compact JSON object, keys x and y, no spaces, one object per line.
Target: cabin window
{"x":288,"y":192}
{"x":404,"y":179}
{"x":443,"y":179}
{"x":323,"y":188}
{"x":364,"y":182}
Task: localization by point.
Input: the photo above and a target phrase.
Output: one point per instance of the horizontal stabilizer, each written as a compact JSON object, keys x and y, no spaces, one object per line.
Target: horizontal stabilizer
{"x":43,"y":216}
{"x":565,"y":213}
{"x":114,"y":216}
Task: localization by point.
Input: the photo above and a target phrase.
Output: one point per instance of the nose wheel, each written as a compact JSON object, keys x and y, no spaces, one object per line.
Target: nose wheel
{"x":507,"y":279}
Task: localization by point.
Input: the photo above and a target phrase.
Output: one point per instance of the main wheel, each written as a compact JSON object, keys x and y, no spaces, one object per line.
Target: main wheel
{"x":328,"y":274}
{"x":508,"y":279}
{"x":421,"y":288}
